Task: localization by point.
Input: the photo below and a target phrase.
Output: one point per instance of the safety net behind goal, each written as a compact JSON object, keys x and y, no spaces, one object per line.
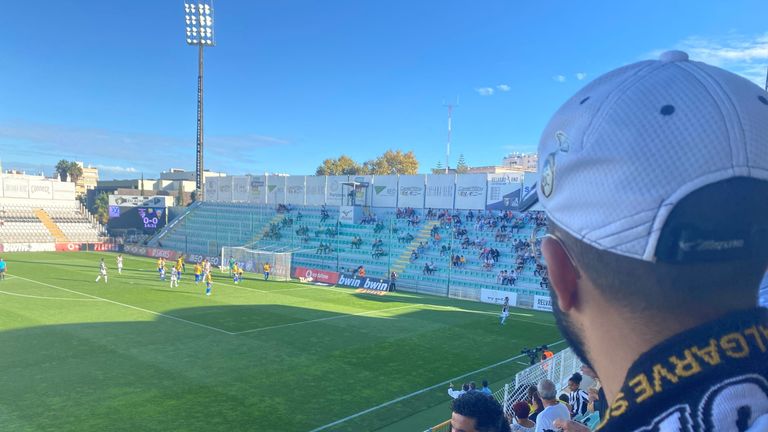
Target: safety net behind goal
{"x":252,"y":261}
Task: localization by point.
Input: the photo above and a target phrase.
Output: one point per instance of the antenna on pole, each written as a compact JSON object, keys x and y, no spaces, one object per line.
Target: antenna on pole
{"x":450,"y":107}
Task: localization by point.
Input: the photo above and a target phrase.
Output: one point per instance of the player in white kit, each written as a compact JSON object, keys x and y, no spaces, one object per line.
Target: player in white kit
{"x":102,"y":271}
{"x":504,"y":310}
{"x":119,"y":264}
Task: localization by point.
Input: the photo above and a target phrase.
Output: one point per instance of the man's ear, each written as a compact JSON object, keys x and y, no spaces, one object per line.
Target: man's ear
{"x":563,"y":275}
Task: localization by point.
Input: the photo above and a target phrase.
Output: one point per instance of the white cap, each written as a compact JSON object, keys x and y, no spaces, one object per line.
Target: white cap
{"x":618,"y":156}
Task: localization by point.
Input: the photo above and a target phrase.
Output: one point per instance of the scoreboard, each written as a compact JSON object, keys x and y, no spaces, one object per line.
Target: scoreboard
{"x":145,"y":219}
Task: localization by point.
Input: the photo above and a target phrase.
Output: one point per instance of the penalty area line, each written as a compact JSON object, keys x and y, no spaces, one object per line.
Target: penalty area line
{"x":128,"y":306}
{"x":326,"y":319}
{"x":418,"y":392}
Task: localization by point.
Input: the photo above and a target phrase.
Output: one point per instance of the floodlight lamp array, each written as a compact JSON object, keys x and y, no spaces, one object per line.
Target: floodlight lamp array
{"x":199,"y":23}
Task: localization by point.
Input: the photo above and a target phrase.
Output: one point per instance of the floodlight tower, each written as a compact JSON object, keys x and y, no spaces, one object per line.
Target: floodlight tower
{"x":450,"y":107}
{"x":199,"y":28}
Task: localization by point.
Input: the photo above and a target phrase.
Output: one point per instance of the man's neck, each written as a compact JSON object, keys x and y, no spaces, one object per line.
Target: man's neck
{"x":616,"y":339}
{"x":549,"y":403}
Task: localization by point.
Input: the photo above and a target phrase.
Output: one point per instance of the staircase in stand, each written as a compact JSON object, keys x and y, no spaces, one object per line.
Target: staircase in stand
{"x":424,"y":234}
{"x":56,"y":232}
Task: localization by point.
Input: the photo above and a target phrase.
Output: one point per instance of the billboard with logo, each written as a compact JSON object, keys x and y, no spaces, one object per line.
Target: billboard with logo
{"x":471,"y":191}
{"x":440,"y":190}
{"x":504,"y":191}
{"x":315,"y":190}
{"x":333,"y":196}
{"x":211,"y":188}
{"x":410,"y":191}
{"x":40,"y":189}
{"x":276,"y":189}
{"x":529,"y":193}
{"x":241,"y":188}
{"x":322,"y":276}
{"x":295,"y":187}
{"x":225,"y":189}
{"x":497,"y":296}
{"x":542,"y":303}
{"x":384,"y":191}
{"x":140,"y":201}
{"x":367,"y":184}
{"x":258,"y":190}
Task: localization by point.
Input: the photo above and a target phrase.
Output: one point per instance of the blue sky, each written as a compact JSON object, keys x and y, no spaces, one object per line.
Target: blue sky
{"x":293,"y":82}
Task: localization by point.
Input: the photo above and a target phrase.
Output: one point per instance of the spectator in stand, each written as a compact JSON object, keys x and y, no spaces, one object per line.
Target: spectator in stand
{"x":486,"y":389}
{"x":577,"y":398}
{"x":553,"y":409}
{"x":472,"y":386}
{"x":457,"y":393}
{"x":462,"y":261}
{"x":477,"y":412}
{"x":537,"y":406}
{"x":392,"y":281}
{"x":361,"y":271}
{"x":521,"y":422}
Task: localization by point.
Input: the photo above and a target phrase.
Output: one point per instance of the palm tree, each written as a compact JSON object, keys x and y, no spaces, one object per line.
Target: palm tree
{"x":75,"y":172}
{"x":101,"y":207}
{"x":62,"y":168}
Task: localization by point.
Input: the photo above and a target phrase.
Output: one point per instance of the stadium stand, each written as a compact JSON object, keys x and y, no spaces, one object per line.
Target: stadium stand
{"x":417,"y":246}
{"x":45,"y":221}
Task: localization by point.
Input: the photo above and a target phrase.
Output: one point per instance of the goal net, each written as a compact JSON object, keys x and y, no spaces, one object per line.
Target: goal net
{"x":252,"y":261}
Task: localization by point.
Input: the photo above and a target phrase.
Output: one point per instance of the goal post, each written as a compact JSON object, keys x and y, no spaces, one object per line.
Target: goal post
{"x":252,"y":261}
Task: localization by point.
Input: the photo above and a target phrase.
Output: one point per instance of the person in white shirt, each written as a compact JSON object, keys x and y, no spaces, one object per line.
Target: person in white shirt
{"x":119,"y":264}
{"x":102,"y":271}
{"x":553,"y":409}
{"x":456,"y":393}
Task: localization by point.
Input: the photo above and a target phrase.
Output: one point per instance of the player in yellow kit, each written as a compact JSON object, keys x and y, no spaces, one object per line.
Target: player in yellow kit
{"x":208,"y":284}
{"x":198,"y":273}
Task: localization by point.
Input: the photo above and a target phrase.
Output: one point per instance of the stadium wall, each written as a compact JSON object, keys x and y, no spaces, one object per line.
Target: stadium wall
{"x":452,"y":191}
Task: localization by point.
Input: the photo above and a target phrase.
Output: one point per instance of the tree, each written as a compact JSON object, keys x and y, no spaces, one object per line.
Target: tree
{"x":180,"y":195}
{"x":395,"y":162}
{"x":438,"y":169}
{"x":193,"y":196}
{"x":101,"y":207}
{"x":75,"y":172}
{"x":62,"y":168}
{"x":344,"y":165}
{"x":461,"y":166}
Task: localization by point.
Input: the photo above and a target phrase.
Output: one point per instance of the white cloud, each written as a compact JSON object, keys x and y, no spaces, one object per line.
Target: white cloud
{"x":485,"y":91}
{"x":744,"y":55}
{"x":559,"y":78}
{"x":116,"y":169}
{"x":581,"y":75}
{"x":503,"y":87}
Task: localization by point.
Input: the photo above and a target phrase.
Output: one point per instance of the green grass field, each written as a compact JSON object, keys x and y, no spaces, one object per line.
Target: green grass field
{"x":137,"y":355}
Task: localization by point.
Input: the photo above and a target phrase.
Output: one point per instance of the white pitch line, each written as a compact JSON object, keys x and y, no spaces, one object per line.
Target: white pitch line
{"x":129,"y":306}
{"x":495,"y":314}
{"x":327,"y":319}
{"x":46,"y":298}
{"x":418,"y":392}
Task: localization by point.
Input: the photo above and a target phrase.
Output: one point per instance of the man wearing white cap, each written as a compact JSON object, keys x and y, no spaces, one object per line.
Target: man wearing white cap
{"x":654,"y":178}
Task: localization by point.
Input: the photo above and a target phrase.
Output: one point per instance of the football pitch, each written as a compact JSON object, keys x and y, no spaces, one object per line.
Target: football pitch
{"x":137,"y":355}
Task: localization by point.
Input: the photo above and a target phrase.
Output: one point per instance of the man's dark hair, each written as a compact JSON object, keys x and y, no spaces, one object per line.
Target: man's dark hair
{"x":563,"y":397}
{"x":730,"y":209}
{"x":576,"y":378}
{"x":485,"y":383}
{"x":486,"y":411}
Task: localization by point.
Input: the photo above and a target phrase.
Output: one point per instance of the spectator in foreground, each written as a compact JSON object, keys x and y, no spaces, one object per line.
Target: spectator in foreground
{"x":665,"y":260}
{"x":577,"y":398}
{"x":553,"y":409}
{"x":477,"y":412}
{"x":521,"y":422}
{"x":486,"y":389}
